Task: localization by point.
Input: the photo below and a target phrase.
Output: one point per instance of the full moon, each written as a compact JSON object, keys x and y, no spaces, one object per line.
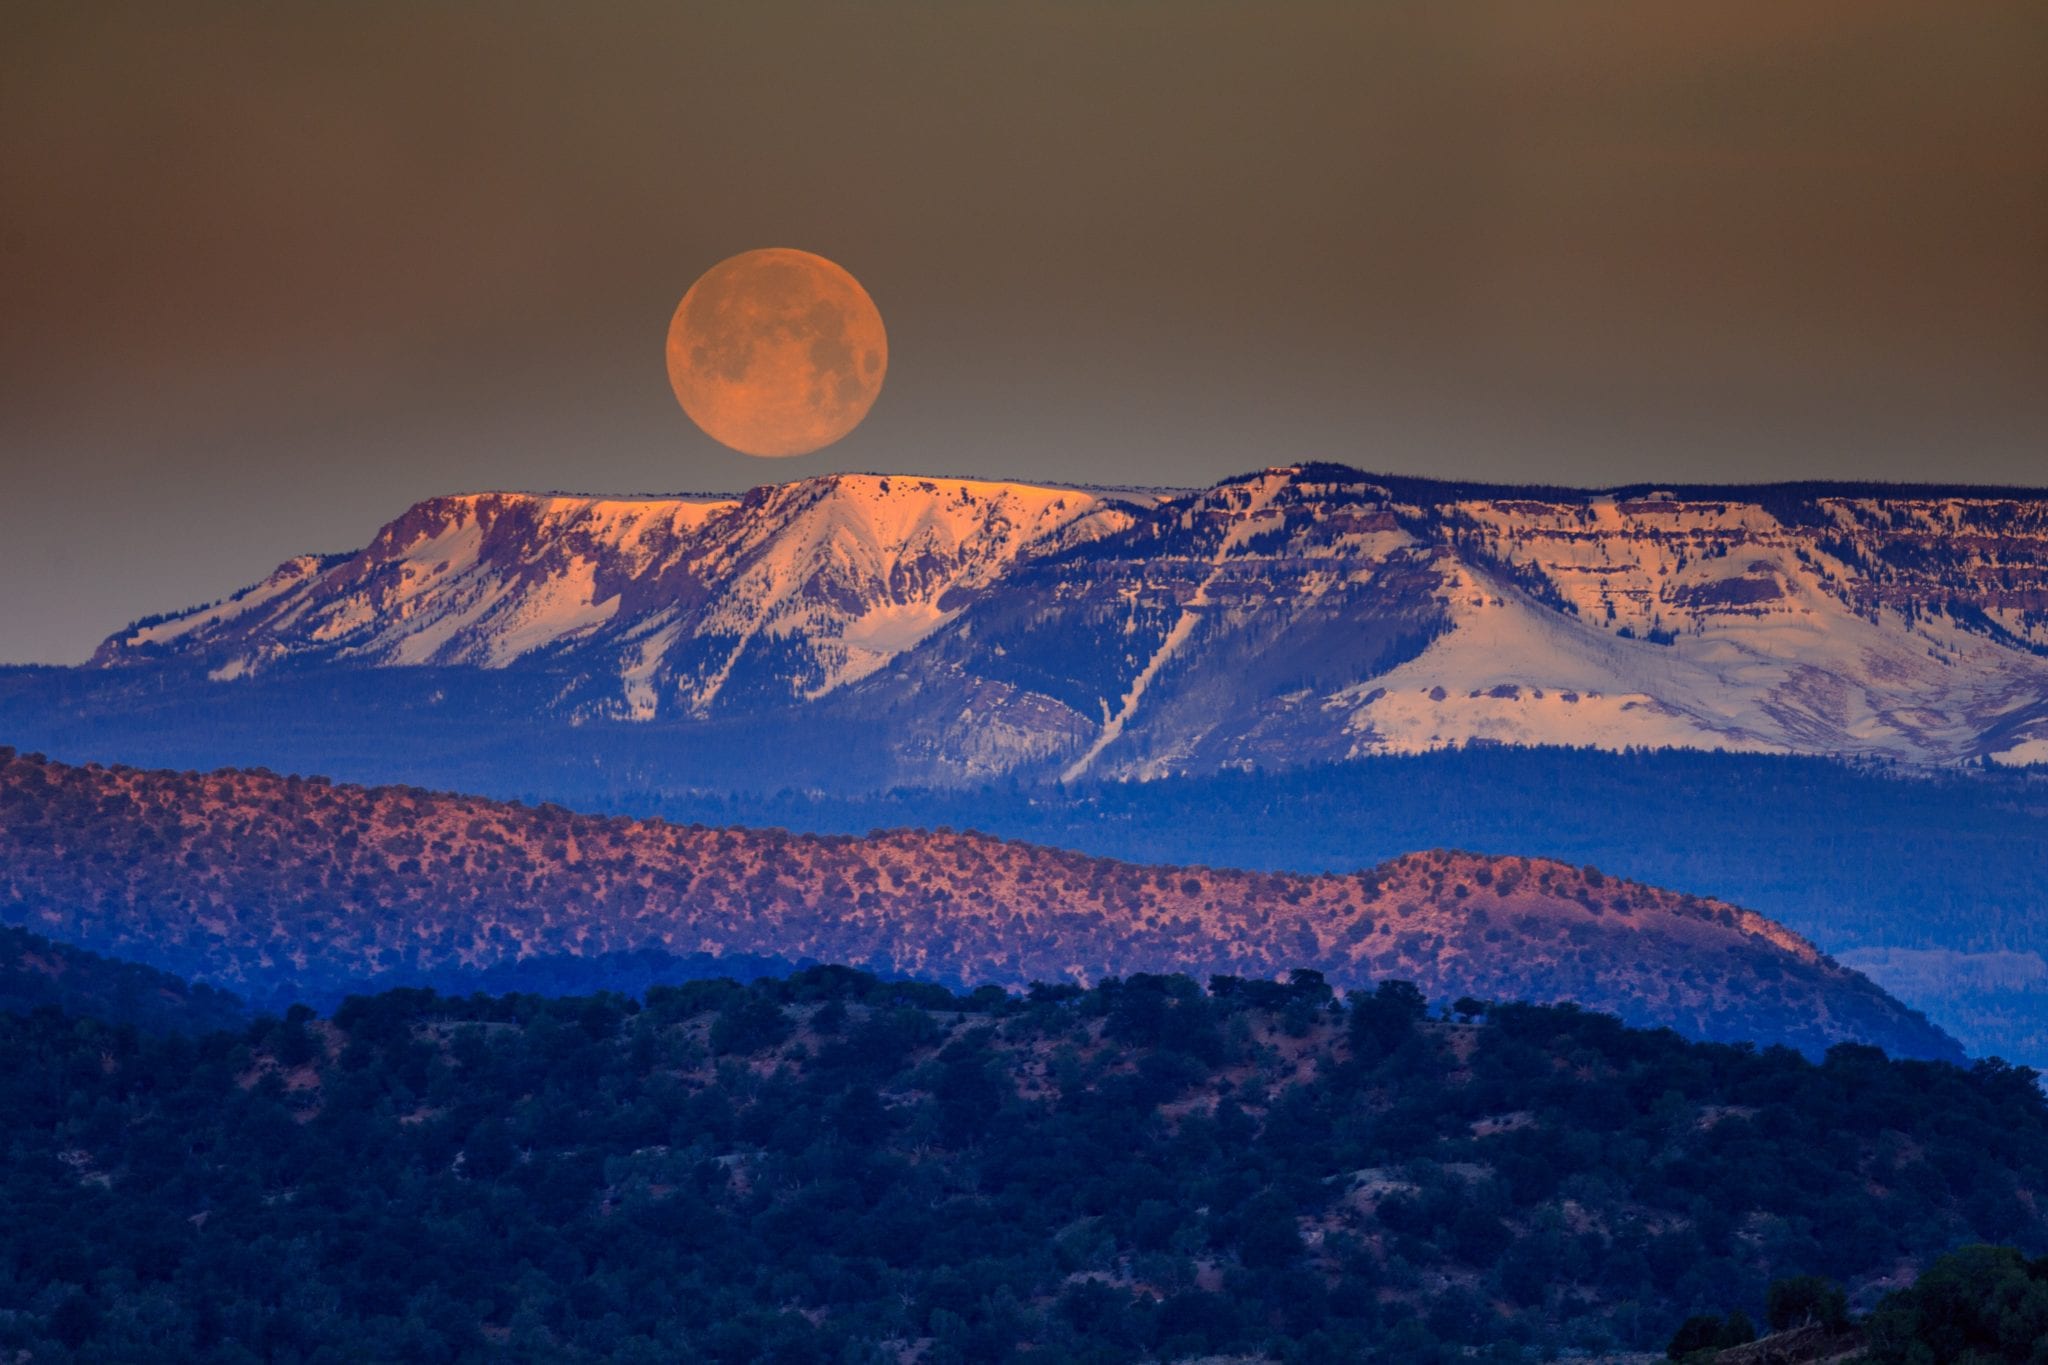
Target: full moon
{"x":776,"y":352}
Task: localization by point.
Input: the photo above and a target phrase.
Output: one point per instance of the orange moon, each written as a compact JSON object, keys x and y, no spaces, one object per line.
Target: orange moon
{"x":777,"y":352}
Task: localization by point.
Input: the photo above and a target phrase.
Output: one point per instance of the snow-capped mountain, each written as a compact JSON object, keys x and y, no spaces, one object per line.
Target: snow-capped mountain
{"x":1298,"y":614}
{"x":668,"y":604}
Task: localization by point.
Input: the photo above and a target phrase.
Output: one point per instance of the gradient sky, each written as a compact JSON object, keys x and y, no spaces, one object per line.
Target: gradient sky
{"x":269,"y":273}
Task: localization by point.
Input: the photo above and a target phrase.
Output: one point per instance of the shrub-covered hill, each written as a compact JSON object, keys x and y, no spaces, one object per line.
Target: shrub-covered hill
{"x":831,"y":1168}
{"x":267,"y":883}
{"x":1977,"y":1305}
{"x":38,"y":974}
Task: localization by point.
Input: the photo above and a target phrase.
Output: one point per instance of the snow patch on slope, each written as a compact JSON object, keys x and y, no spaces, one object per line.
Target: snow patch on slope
{"x":287,"y":577}
{"x":1798,"y":671}
{"x":1247,"y":519}
{"x":864,"y":567}
{"x":2024,"y":754}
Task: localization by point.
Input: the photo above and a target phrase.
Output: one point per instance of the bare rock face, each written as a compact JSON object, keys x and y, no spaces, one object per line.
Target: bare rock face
{"x":255,"y":880}
{"x":1302,"y":614}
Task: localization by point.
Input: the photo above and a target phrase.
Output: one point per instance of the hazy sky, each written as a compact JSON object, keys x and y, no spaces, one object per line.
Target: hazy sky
{"x":269,"y":273}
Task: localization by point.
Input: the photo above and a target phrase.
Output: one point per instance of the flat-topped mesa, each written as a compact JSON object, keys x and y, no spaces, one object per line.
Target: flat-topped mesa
{"x":854,"y":567}
{"x":1301,"y":613}
{"x":1697,"y":556}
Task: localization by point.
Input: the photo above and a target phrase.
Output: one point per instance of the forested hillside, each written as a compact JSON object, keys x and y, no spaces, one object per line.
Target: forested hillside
{"x":1936,"y":885}
{"x":1855,"y":858}
{"x":36,"y":973}
{"x":286,"y":885}
{"x":833,"y":1168}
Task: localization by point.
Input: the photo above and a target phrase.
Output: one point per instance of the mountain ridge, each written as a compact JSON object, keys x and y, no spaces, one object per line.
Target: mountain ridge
{"x":1307,"y":613}
{"x":38,"y":973}
{"x":249,"y":878}
{"x":863,"y":564}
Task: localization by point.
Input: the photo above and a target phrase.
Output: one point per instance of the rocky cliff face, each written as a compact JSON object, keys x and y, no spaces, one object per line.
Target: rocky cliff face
{"x":1299,"y":614}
